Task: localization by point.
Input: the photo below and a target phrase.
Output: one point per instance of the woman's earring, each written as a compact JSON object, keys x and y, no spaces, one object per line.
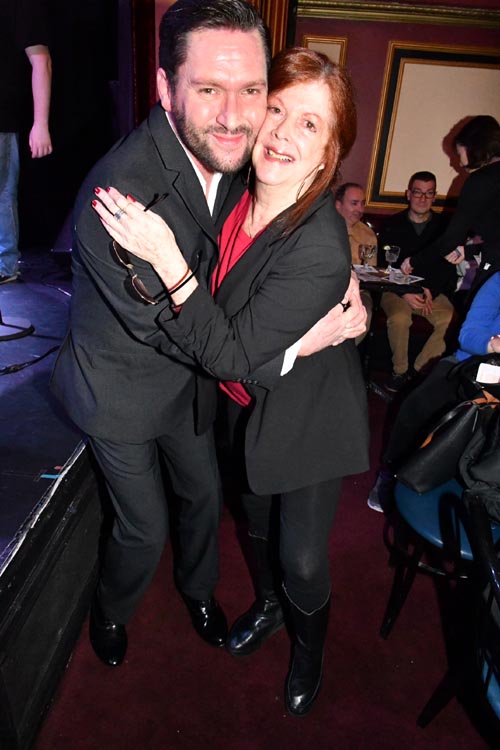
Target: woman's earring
{"x":250,"y":176}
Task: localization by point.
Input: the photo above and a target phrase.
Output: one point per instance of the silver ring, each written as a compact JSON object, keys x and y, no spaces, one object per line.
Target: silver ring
{"x":345,"y":305}
{"x":118,"y":215}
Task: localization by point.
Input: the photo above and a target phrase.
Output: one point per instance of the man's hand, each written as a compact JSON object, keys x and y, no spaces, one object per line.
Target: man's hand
{"x":41,"y":80}
{"x":421,"y":302}
{"x":406,"y":266}
{"x":39,"y":141}
{"x":344,"y":321}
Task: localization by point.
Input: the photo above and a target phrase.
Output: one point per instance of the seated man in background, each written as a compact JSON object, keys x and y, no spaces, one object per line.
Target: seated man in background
{"x":350,"y":204}
{"x":412,"y":230}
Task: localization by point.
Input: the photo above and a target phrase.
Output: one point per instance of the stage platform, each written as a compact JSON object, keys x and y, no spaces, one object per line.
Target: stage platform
{"x":50,"y":512}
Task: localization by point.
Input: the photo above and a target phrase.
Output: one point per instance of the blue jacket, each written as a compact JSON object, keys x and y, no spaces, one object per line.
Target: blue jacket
{"x":482,"y":321}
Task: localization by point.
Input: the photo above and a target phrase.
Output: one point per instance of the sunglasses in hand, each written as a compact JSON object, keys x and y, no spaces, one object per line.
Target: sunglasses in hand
{"x":137,"y":285}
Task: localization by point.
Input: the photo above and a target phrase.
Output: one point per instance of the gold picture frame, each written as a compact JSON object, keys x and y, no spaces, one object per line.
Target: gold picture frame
{"x":394,"y":12}
{"x":334,"y":47}
{"x":428,"y":91}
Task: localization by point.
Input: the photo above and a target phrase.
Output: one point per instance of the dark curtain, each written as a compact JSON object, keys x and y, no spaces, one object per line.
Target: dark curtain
{"x":83,"y":119}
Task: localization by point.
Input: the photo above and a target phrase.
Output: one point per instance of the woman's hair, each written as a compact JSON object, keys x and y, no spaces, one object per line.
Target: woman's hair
{"x":481,"y":139}
{"x":299,"y":65}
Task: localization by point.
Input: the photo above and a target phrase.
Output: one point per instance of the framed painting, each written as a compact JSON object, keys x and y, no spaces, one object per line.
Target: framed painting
{"x":332,"y":46}
{"x":428,"y":93}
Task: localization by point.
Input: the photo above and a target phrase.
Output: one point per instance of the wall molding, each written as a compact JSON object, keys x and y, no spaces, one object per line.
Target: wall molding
{"x":357,"y":10}
{"x":275,"y":15}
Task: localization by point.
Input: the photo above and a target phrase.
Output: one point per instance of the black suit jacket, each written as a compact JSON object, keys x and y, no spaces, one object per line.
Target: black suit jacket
{"x":118,"y":374}
{"x":312,"y":425}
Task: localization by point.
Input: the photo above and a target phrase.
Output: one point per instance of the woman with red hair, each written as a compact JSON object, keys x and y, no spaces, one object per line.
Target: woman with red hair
{"x":284,"y":263}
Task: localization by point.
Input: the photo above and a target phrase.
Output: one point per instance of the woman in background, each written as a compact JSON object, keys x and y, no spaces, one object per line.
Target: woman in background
{"x":284,"y":262}
{"x":477,"y":145}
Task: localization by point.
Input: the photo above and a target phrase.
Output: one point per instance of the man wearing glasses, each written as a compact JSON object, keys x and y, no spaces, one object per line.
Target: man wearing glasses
{"x":412,"y":230}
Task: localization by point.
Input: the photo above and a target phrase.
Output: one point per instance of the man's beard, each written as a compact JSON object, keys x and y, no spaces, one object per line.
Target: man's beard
{"x":196,"y":140}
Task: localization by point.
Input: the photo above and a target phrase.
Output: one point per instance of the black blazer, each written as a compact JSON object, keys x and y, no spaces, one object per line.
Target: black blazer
{"x":311,"y":425}
{"x":117,"y":373}
{"x":477,"y":212}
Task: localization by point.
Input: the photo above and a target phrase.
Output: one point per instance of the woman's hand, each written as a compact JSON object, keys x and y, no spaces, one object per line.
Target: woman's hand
{"x":347,"y":320}
{"x":142,"y":233}
{"x":494,"y":345}
{"x":456,"y":256}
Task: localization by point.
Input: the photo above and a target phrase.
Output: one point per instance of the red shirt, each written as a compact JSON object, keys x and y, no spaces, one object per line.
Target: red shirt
{"x":233,"y":243}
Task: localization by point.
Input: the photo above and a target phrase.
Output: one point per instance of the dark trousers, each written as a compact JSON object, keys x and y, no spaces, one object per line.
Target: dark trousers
{"x":298,"y":524}
{"x":133,"y":476}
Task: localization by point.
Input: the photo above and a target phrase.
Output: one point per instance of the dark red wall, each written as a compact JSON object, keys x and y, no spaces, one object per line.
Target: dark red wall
{"x":366,"y":57}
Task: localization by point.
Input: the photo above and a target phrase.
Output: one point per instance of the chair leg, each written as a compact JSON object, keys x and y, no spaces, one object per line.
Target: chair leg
{"x":443,"y":694}
{"x":458,"y":618}
{"x":405,"y":571}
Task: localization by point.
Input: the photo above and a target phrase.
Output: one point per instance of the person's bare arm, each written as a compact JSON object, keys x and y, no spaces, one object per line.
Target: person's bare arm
{"x":41,"y":83}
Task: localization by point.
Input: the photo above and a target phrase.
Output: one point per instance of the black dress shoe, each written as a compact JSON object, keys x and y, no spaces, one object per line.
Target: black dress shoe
{"x":254,"y":627}
{"x":208,"y":619}
{"x":108,"y":638}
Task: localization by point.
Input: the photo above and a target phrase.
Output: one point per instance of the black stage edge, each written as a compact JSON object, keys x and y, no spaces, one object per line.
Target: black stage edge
{"x":45,"y":589}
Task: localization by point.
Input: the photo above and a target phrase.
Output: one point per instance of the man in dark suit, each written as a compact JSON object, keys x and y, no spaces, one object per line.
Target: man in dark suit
{"x":122,"y":381}
{"x":118,"y":376}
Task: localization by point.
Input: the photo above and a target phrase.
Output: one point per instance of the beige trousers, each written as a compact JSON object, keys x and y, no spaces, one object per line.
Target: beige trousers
{"x":399,"y":319}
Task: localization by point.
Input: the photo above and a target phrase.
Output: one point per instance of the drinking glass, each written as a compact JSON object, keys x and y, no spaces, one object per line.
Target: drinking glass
{"x":366,"y":252}
{"x":391,"y":255}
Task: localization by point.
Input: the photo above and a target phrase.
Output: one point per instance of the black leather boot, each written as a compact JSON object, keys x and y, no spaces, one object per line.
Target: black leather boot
{"x":304,"y":678}
{"x":265,"y":616}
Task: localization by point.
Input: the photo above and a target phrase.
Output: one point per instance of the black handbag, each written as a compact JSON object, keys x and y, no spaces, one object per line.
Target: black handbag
{"x":437,"y":459}
{"x":465,"y":375}
{"x":479,"y":465}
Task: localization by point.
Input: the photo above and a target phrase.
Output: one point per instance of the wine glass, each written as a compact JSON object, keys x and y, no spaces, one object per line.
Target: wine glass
{"x":366,"y":252}
{"x":391,"y":255}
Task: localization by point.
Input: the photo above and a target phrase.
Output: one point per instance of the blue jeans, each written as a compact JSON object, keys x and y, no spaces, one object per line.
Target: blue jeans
{"x":9,"y":222}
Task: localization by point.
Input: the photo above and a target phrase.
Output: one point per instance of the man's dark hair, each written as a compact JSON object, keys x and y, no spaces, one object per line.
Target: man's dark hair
{"x":481,"y":139}
{"x":342,"y":189}
{"x":186,"y":16}
{"x":423,"y":176}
